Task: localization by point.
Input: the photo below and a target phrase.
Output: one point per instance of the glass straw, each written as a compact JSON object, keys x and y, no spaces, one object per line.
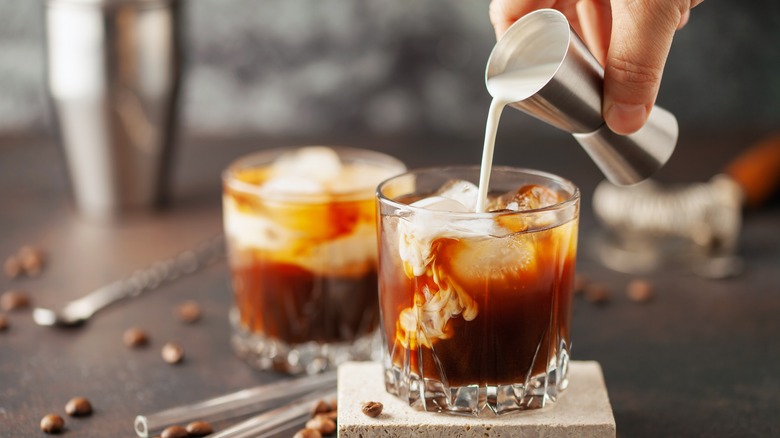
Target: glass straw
{"x":243,"y":402}
{"x":277,"y":420}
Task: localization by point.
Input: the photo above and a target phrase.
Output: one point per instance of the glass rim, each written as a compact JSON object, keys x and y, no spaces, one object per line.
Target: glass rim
{"x":345,"y":153}
{"x":572,"y":199}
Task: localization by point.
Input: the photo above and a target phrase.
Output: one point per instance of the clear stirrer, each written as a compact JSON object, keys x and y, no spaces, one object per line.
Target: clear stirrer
{"x":237,"y":404}
{"x":278,"y":420}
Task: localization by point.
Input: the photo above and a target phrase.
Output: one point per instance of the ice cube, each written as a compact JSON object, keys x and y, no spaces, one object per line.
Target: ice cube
{"x":508,"y":257}
{"x":462,"y":191}
{"x":453,"y":226}
{"x":314,"y":162}
{"x":349,"y":256}
{"x":528,"y":197}
{"x":440,"y":203}
{"x":291,"y":185}
{"x":355,"y":177}
{"x":248,"y":230}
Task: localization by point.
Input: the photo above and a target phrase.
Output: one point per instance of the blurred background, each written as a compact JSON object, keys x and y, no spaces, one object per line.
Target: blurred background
{"x":330,"y":68}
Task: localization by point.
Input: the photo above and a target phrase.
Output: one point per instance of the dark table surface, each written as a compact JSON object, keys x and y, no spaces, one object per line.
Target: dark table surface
{"x":702,"y":359}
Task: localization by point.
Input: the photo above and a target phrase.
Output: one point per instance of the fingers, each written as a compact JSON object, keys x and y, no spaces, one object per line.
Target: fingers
{"x":642,"y":34}
{"x":684,"y":19}
{"x":630,"y":38}
{"x":595,"y":17}
{"x":569,"y":9}
{"x":503,"y":13}
{"x":687,"y":14}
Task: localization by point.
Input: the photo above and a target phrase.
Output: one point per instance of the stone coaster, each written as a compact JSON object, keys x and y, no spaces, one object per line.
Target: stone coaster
{"x":582,"y":411}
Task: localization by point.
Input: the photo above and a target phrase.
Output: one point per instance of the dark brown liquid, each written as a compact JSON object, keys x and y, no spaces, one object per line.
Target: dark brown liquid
{"x":523,"y":314}
{"x":291,"y":304}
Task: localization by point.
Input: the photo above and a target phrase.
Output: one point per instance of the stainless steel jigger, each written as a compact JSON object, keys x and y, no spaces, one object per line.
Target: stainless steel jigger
{"x":571,"y":98}
{"x":113,"y":70}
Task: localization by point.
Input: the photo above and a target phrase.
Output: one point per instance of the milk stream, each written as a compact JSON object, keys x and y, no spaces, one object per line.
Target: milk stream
{"x":508,"y":87}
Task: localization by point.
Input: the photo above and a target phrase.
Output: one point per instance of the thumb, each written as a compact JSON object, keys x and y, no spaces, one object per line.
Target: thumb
{"x":642,"y":34}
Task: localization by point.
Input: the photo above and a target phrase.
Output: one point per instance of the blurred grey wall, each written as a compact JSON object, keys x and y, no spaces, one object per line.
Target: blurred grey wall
{"x":329,"y":67}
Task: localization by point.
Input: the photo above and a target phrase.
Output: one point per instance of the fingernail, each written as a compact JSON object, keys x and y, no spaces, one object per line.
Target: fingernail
{"x":625,"y":118}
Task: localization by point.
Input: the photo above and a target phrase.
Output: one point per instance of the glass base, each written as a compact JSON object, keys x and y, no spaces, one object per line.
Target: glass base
{"x":311,"y":357}
{"x":472,"y":400}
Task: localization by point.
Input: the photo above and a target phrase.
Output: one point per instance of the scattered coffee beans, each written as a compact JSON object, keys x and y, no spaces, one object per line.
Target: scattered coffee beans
{"x":135,"y":337}
{"x":52,"y":423}
{"x":32,"y":259}
{"x":597,"y":294}
{"x":13,"y":267}
{"x":639,"y":291}
{"x":322,"y":407}
{"x":172,"y":353}
{"x":372,"y":409}
{"x":199,"y":428}
{"x":322,"y":424}
{"x":78,"y":407}
{"x":174,"y":432}
{"x":188,"y":312}
{"x":307,"y":433}
{"x":14,"y":300}
{"x":3,"y":323}
{"x":324,"y":415}
{"x":580,"y":283}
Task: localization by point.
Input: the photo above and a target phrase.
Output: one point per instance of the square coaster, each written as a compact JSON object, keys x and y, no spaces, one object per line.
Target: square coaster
{"x":583,"y":410}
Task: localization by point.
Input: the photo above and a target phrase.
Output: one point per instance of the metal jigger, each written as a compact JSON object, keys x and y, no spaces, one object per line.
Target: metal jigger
{"x":571,"y":98}
{"x":113,"y":69}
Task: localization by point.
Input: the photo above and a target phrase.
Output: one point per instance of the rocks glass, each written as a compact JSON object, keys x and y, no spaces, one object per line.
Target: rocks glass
{"x":301,"y":232}
{"x":476,"y":307}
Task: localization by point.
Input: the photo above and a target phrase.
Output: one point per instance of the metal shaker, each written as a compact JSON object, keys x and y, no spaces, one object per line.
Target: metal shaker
{"x":113,"y":70}
{"x":571,"y":97}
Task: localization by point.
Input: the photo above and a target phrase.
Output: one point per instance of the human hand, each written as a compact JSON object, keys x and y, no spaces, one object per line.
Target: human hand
{"x":630,"y":38}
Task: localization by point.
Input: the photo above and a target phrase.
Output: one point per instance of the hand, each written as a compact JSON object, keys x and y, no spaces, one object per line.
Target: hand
{"x":630,"y":38}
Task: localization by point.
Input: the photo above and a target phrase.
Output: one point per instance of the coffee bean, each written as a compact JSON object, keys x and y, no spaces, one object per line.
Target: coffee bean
{"x":14,"y":300}
{"x":334,"y":405}
{"x":135,"y":337}
{"x":307,"y":433}
{"x":172,"y":353}
{"x":639,"y":291}
{"x":597,"y":294}
{"x":188,"y":312}
{"x":199,"y":428}
{"x":174,"y":432}
{"x":333,"y":415}
{"x":52,"y":423}
{"x":13,"y":267}
{"x":580,"y":283}
{"x":372,"y":409}
{"x":78,"y":407}
{"x":322,"y":407}
{"x":3,"y":323}
{"x":322,"y":424}
{"x":32,"y":260}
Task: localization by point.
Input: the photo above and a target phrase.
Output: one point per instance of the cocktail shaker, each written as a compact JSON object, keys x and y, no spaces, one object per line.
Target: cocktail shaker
{"x":570,"y":97}
{"x":113,"y":70}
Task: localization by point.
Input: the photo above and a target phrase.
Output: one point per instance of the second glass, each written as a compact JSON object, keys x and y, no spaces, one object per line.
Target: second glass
{"x":301,"y":232}
{"x":476,"y":307}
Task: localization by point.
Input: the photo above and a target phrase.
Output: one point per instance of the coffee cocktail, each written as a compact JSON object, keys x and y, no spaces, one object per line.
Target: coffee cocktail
{"x":476,"y":307}
{"x":301,"y":229}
